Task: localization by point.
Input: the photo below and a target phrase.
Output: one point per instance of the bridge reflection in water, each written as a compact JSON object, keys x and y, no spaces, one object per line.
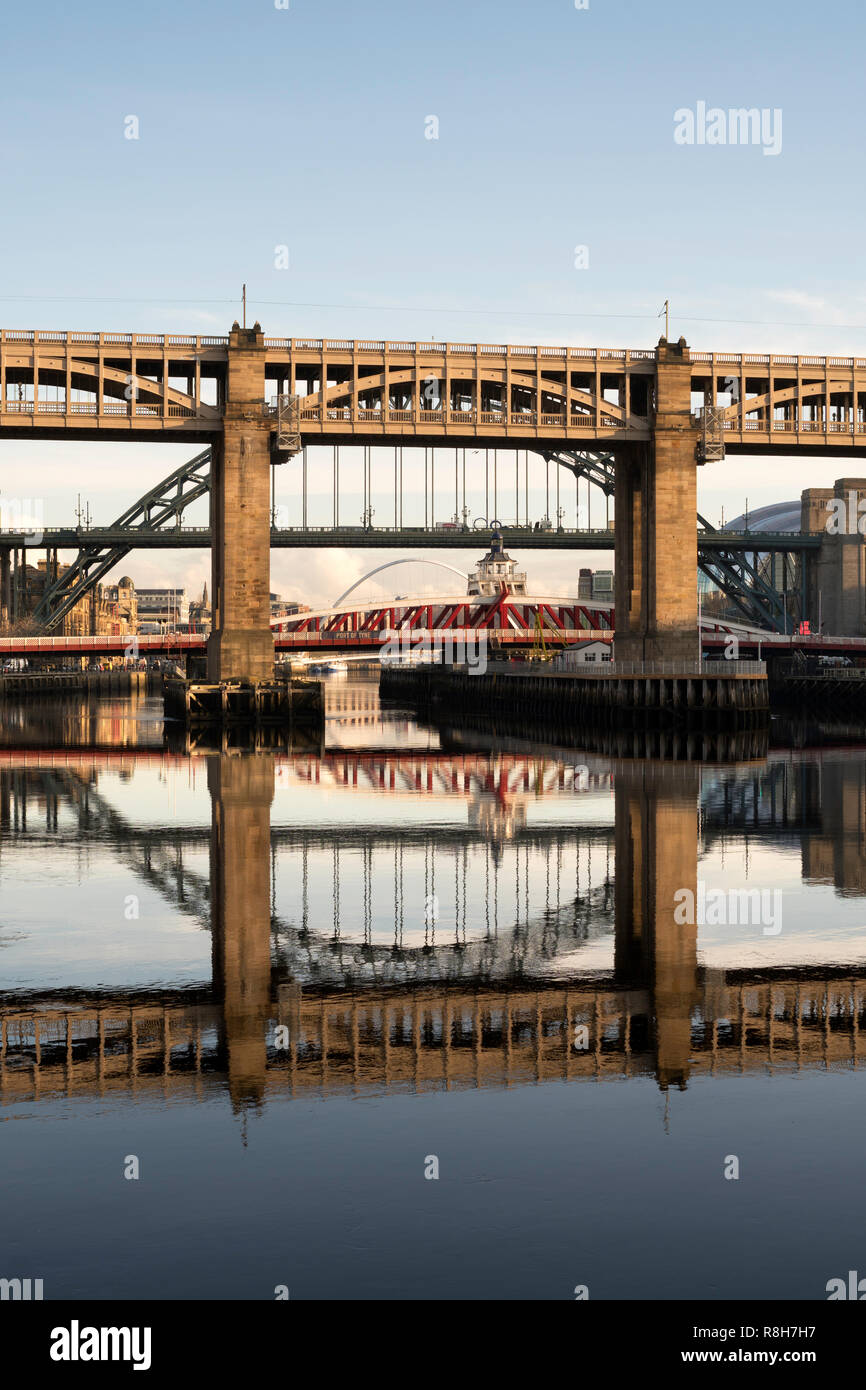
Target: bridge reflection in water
{"x":297,"y":1010}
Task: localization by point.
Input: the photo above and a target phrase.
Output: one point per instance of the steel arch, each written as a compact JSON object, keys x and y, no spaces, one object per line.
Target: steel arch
{"x":158,"y":509}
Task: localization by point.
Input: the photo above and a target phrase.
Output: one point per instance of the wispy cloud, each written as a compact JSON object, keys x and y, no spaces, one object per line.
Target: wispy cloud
{"x":799,"y":299}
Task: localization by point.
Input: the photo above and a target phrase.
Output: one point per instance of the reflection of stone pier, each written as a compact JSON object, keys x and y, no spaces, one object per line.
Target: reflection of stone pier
{"x":362,"y":1012}
{"x":656,"y":857}
{"x":835,"y":851}
{"x":242,"y":789}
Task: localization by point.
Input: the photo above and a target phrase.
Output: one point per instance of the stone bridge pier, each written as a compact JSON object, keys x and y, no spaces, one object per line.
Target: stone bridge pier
{"x":241,"y":646}
{"x":656,"y":543}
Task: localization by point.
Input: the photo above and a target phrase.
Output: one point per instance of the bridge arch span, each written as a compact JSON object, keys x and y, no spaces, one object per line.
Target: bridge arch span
{"x":392,"y":564}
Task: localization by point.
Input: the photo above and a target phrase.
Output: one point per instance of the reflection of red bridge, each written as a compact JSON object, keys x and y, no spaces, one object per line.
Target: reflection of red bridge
{"x":451,"y":774}
{"x":447,"y":774}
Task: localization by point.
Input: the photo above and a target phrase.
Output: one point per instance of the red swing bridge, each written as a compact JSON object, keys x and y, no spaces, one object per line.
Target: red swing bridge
{"x":513,"y":622}
{"x":363,"y":630}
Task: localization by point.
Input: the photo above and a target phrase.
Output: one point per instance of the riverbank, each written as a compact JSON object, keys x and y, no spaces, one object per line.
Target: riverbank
{"x":14,"y":684}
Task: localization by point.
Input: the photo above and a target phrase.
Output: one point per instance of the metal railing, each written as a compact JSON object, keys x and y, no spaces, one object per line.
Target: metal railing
{"x":708,"y":669}
{"x":829,"y":672}
{"x":792,"y":425}
{"x":380,"y":346}
{"x":349,"y":415}
{"x":29,"y":335}
{"x":114,"y":641}
{"x":94,"y":409}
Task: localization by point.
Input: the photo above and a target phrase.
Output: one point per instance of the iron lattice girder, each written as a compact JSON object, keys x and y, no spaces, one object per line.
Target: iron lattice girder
{"x":728,"y":567}
{"x":711,"y":446}
{"x":596,"y":468}
{"x":172,"y":496}
{"x":288,"y":437}
{"x":740,"y":581}
{"x":156,"y":510}
{"x":164,"y":505}
{"x":159,"y":864}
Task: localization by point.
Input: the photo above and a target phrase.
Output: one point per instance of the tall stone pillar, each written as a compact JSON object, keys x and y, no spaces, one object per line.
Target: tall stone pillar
{"x":656,"y":858}
{"x":5,"y":585}
{"x":630,"y":564}
{"x":241,"y":645}
{"x":17,"y":597}
{"x":242,"y":788}
{"x":836,"y":575}
{"x":656,"y":526}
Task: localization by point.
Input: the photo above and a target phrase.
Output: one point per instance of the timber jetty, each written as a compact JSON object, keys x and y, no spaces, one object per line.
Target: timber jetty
{"x":280,"y":702}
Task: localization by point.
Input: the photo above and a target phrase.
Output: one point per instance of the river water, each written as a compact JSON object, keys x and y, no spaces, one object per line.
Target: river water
{"x":427,"y":1012}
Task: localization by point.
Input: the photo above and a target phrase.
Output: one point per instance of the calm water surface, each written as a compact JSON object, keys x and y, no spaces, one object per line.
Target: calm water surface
{"x":290,"y":983}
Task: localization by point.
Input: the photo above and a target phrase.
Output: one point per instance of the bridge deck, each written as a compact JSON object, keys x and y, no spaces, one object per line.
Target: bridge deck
{"x":437,"y":537}
{"x":511,"y":395}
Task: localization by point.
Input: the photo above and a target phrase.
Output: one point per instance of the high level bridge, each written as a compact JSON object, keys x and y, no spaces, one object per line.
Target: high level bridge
{"x":655,"y":414}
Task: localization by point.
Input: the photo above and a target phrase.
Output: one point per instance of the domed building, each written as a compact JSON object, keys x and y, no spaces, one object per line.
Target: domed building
{"x":122,"y":602}
{"x":495,"y":573}
{"x":778,"y":516}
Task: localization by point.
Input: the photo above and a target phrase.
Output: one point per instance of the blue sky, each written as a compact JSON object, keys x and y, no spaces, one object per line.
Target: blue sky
{"x":305,"y":127}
